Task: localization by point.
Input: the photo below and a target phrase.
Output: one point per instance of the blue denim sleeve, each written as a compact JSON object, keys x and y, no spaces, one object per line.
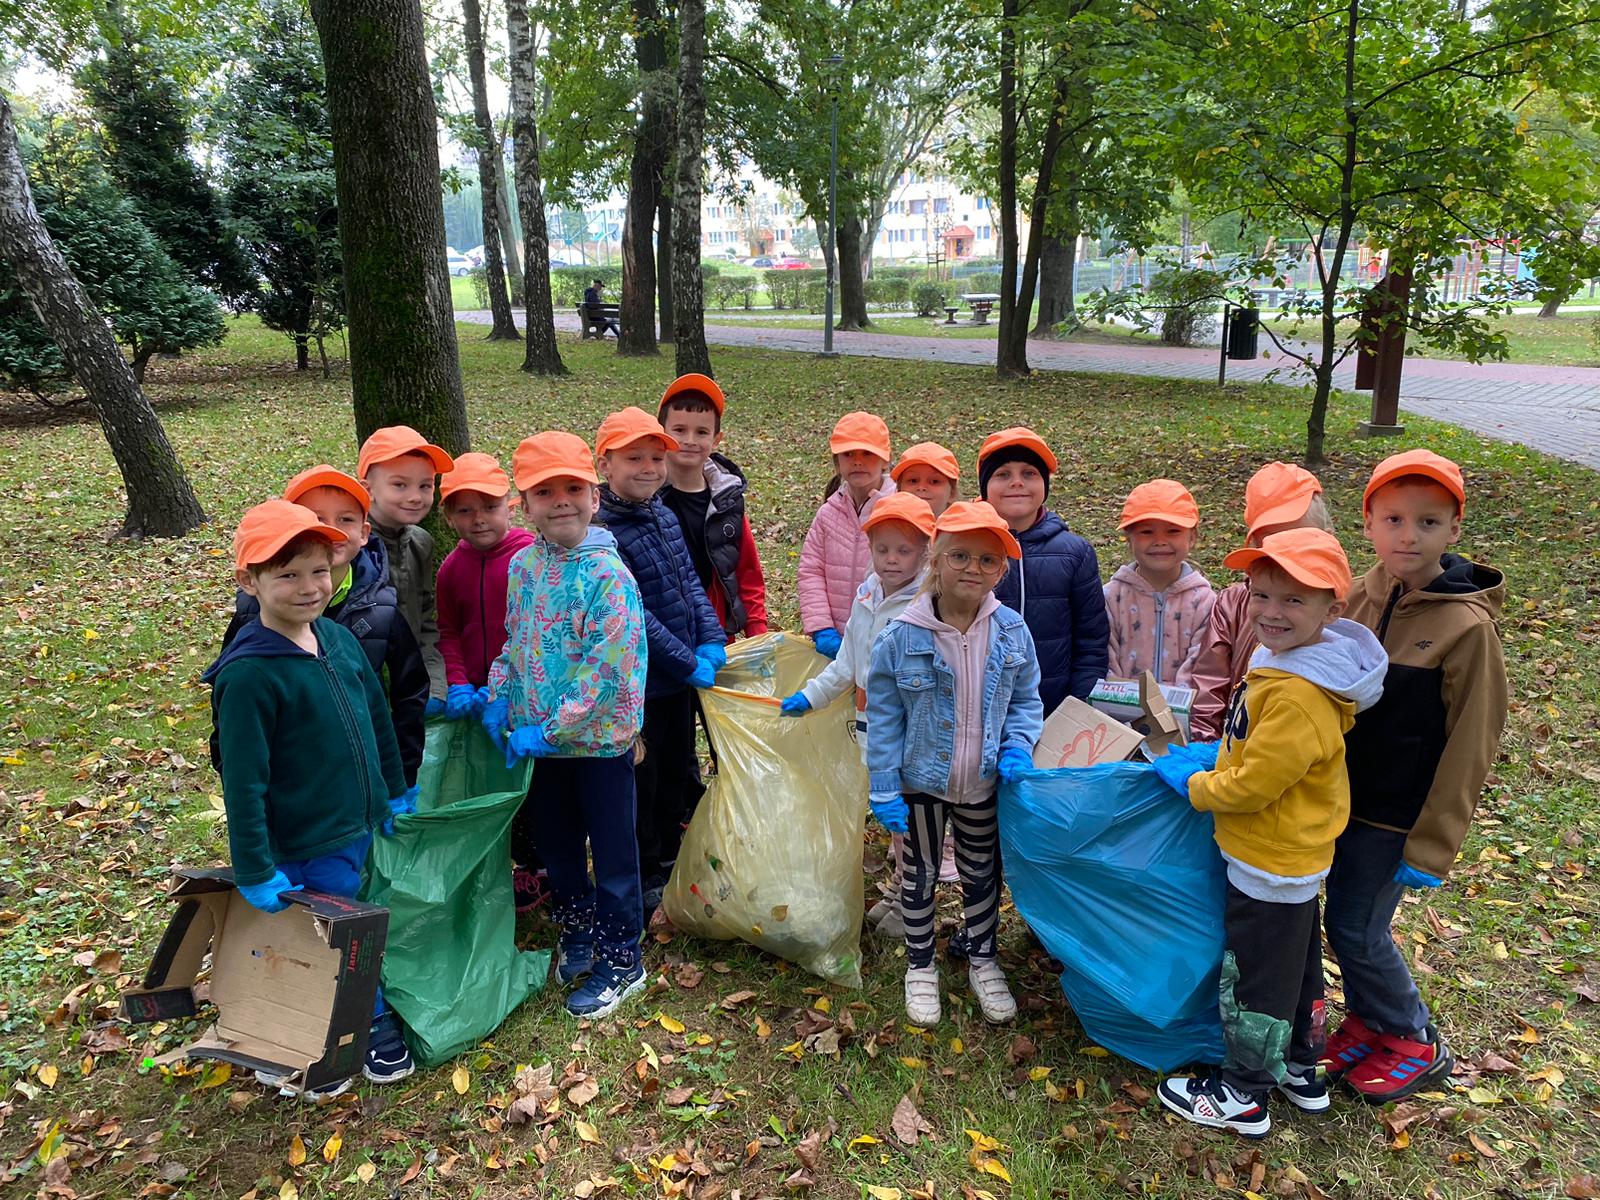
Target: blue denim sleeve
{"x":886,"y":718}
{"x":1025,"y":715}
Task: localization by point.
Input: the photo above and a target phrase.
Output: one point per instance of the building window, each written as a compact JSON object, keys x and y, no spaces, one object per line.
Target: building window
{"x":941,"y":205}
{"x":984,"y":231}
{"x":918,"y":207}
{"x":982,"y":202}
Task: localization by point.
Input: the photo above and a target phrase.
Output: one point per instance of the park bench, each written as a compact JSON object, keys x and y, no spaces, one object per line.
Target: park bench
{"x":981,"y":304}
{"x":597,"y":318}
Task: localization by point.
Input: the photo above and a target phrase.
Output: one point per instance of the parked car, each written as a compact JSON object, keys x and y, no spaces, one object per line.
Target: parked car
{"x":459,"y":264}
{"x":762,"y":262}
{"x":475,"y":255}
{"x":556,"y":262}
{"x":791,"y":264}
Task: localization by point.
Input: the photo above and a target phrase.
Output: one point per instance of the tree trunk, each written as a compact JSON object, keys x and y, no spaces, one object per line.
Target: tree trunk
{"x":688,"y":288}
{"x":403,"y":364}
{"x":852,"y":288}
{"x":651,"y":146}
{"x":1552,"y":304}
{"x":508,"y":230}
{"x":504,"y":328}
{"x":302,"y":351}
{"x":1011,"y":354}
{"x":543,"y":351}
{"x":664,"y":255}
{"x":1056,"y":272}
{"x":1005,"y":364}
{"x":160,"y":501}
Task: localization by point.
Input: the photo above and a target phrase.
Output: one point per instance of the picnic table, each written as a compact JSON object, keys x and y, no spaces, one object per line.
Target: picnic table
{"x":597,"y":318}
{"x":981,"y":304}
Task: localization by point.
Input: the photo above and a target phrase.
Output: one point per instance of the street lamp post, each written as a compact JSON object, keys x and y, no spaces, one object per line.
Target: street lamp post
{"x":831,"y":259}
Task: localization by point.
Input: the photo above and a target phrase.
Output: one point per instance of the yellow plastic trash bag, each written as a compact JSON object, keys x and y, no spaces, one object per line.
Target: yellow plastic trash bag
{"x":773,"y":853}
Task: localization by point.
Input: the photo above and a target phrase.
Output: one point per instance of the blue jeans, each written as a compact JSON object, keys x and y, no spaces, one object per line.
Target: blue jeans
{"x":1362,"y":898}
{"x":338,"y":874}
{"x":583,"y":807}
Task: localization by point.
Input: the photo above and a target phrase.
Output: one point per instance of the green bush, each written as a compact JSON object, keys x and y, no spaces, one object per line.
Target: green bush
{"x":982,"y":281}
{"x":930,"y":298}
{"x":814,"y":292}
{"x":889,"y":293}
{"x":900,"y":272}
{"x":479,"y":278}
{"x":1189,"y":298}
{"x":785,"y":288}
{"x":727,"y":291}
{"x":567,"y":284}
{"x":709,"y":271}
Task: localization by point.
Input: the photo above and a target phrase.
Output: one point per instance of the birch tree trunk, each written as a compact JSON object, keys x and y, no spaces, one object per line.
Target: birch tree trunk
{"x":160,"y":500}
{"x":688,"y":288}
{"x":543,"y":355}
{"x":651,"y":147}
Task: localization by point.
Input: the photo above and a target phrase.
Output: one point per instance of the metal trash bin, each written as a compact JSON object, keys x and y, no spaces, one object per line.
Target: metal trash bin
{"x":1244,"y":334}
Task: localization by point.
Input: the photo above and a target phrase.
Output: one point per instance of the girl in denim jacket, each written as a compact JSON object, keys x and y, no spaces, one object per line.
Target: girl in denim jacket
{"x":953,"y":705}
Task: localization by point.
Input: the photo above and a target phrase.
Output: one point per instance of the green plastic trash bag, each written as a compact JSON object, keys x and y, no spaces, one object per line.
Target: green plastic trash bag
{"x":452,"y":970}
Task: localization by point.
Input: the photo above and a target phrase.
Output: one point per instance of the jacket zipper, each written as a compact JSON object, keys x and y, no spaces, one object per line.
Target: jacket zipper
{"x":1388,"y":611}
{"x":1161,"y":633}
{"x":483,"y":617}
{"x":346,"y":716}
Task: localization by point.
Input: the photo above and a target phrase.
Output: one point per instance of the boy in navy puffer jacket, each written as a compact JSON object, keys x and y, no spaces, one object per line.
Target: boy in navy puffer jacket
{"x":1056,"y":587}
{"x":684,"y":638}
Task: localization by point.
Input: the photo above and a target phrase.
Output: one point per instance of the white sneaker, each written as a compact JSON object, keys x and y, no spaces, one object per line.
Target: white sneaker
{"x":994,"y":997}
{"x":1210,"y":1102}
{"x":922,"y":996}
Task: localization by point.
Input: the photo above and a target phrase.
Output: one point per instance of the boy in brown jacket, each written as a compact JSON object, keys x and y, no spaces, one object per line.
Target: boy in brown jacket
{"x":1417,"y":761}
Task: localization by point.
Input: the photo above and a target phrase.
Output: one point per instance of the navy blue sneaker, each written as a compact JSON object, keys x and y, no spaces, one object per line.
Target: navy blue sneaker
{"x":605,"y":989}
{"x":574,"y":957}
{"x":388,"y":1059}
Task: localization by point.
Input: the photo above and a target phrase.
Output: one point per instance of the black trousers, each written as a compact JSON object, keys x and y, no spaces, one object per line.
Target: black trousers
{"x":667,"y":781}
{"x":1271,"y":990}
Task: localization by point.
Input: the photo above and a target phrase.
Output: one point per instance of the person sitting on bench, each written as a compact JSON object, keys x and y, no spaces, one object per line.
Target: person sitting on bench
{"x":598,"y":321}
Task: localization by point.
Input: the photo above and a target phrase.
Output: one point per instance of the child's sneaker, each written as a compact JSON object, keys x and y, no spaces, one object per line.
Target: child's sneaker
{"x":1399,"y":1067}
{"x":887,"y":919}
{"x":988,"y":983}
{"x":388,"y":1059}
{"x":605,"y":989}
{"x":1348,"y":1045}
{"x":922,"y":996}
{"x":531,"y":888}
{"x":1304,"y":1088}
{"x":574,"y":957}
{"x":1212,"y":1103}
{"x":284,"y":1088}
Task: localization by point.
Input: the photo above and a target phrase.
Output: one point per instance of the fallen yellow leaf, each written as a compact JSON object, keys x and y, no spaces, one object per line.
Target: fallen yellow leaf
{"x":288,"y":1191}
{"x":48,"y":1075}
{"x":915,"y":1064}
{"x":297,"y":1151}
{"x":1039,"y":1073}
{"x":882,"y":1193}
{"x":763,"y":1030}
{"x":87,"y":1065}
{"x":330,"y":1148}
{"x":823,"y":1004}
{"x":990,"y":1166}
{"x":1097,"y":1052}
{"x":866,"y":1139}
{"x":956,"y":1046}
{"x":587,"y":1132}
{"x":1482,"y":1095}
{"x":216,"y":1075}
{"x":650,"y":1055}
{"x":670,"y":1024}
{"x":460,"y":1079}
{"x":983,"y":1143}
{"x":366,"y":1172}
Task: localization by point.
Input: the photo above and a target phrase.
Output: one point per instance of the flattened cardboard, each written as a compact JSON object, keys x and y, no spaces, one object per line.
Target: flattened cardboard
{"x":293,"y":990}
{"x":1119,"y":698}
{"x":1157,"y":721}
{"x":1076,"y":735}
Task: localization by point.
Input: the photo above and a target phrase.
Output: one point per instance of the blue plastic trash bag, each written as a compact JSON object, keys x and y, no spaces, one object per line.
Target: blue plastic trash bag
{"x":1123,"y":882}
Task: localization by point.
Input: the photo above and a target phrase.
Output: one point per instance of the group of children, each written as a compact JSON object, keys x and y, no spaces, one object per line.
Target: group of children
{"x":581,"y":640}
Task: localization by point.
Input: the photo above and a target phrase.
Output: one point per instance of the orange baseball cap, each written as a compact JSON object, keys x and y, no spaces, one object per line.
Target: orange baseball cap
{"x":392,"y":441}
{"x":1018,"y":435}
{"x":693,"y":382}
{"x":1277,"y":493}
{"x":1160,"y":500}
{"x":978,"y":516}
{"x":475,"y":473}
{"x":1312,"y":556}
{"x":627,"y":426}
{"x":550,"y":455}
{"x":901,"y":506}
{"x":1424,"y":463}
{"x":322,"y":475}
{"x":861,"y":431}
{"x":272,"y":525}
{"x":929,"y":454}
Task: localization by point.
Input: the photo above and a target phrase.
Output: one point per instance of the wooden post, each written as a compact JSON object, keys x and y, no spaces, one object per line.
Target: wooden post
{"x":1391,"y":299}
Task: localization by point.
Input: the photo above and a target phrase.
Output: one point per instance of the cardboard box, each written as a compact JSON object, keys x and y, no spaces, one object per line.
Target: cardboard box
{"x":1125,"y":699}
{"x":293,"y":990}
{"x":1076,"y":735}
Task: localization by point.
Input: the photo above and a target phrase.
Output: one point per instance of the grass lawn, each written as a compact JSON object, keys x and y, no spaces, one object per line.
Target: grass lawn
{"x":105,"y":785}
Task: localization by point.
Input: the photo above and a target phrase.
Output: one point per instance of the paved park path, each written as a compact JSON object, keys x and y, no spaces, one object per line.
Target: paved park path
{"x":1552,"y":409}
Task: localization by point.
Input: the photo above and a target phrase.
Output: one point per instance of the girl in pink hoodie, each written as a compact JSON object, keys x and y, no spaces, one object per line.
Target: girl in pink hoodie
{"x":835,"y":557}
{"x":1158,"y":604}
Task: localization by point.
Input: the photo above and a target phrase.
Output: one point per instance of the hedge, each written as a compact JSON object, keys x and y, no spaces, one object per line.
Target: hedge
{"x":567,"y":284}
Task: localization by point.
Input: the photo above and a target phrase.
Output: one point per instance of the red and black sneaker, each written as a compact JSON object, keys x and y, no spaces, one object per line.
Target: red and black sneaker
{"x":1401,"y":1066}
{"x":1348,"y":1045}
{"x":531,"y":888}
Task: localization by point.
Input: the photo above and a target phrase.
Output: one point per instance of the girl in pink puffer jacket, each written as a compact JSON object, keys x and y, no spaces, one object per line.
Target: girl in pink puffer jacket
{"x":836,"y":557}
{"x":1158,"y":604}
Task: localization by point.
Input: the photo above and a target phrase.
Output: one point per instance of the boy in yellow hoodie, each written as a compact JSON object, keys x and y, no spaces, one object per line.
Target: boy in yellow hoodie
{"x":1280,"y":797}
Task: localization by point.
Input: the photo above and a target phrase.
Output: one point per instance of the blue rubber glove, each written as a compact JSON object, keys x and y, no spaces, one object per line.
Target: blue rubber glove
{"x":1204,"y":753}
{"x":267,"y":896}
{"x":462,"y":702}
{"x":527,"y":742}
{"x":1408,"y":876}
{"x":496,"y":716}
{"x":828,"y":642}
{"x":1175,"y":768}
{"x":401,"y":805}
{"x":1014,"y":763}
{"x":891,"y":811}
{"x":704,"y":674}
{"x":713,"y":652}
{"x":434,"y":708}
{"x":795,"y":706}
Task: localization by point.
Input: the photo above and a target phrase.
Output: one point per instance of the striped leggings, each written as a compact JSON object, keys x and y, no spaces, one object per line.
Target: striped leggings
{"x":977,"y":838}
